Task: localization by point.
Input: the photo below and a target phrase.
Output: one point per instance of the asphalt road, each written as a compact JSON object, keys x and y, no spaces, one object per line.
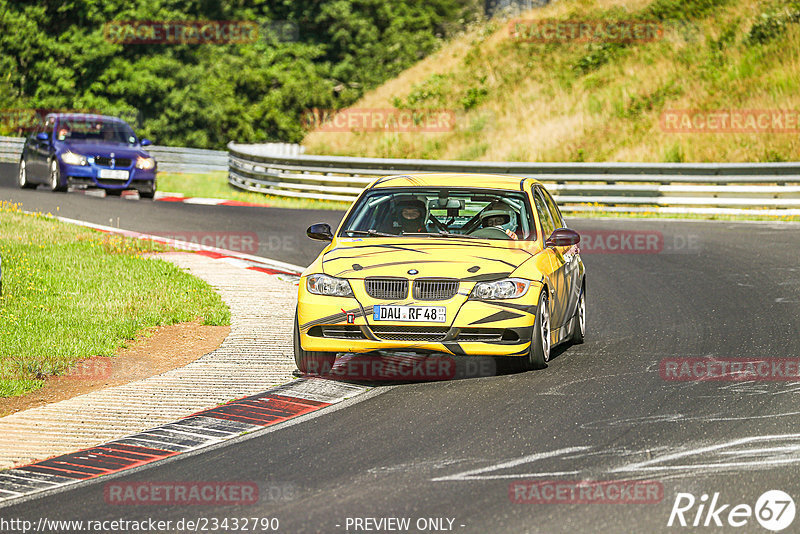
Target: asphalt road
{"x":600,"y":411}
{"x":280,"y":234}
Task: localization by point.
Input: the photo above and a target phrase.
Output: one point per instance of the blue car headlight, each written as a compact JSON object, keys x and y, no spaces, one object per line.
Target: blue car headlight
{"x":508,"y":288}
{"x":322,"y":284}
{"x":146,"y":164}
{"x":71,"y":158}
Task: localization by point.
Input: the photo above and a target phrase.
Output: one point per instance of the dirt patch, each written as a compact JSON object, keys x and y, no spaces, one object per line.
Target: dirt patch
{"x":168,"y":347}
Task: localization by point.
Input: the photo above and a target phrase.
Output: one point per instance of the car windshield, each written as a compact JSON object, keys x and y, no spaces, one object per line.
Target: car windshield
{"x":94,"y":130}
{"x":434,"y":212}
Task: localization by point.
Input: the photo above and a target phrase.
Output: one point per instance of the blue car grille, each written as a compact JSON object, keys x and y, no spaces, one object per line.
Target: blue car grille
{"x":118,"y":162}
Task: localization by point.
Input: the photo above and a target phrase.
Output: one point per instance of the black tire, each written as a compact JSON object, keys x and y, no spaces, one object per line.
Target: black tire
{"x":579,"y":324}
{"x":539,"y":352}
{"x":22,"y":176}
{"x":54,"y":180}
{"x":311,"y":362}
{"x":149,"y":193}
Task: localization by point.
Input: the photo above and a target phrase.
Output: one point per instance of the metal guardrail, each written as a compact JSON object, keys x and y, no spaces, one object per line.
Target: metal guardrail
{"x":170,"y":159}
{"x":687,"y":187}
{"x":10,"y":149}
{"x":194,"y":160}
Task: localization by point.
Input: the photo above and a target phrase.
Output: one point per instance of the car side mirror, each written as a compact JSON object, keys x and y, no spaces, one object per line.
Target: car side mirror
{"x":42,"y":136}
{"x":320,"y":232}
{"x":563,"y":237}
{"x":146,"y":142}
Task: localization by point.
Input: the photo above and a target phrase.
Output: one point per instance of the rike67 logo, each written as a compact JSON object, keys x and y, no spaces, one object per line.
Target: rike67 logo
{"x":774,"y":510}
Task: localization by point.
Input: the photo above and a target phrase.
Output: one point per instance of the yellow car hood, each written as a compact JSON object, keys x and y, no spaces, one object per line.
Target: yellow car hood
{"x":465,"y":259}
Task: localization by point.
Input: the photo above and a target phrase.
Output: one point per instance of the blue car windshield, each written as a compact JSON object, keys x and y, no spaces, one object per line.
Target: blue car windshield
{"x":94,"y":130}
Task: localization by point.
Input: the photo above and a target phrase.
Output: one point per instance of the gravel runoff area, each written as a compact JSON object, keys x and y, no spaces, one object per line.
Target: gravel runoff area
{"x":256,"y":355}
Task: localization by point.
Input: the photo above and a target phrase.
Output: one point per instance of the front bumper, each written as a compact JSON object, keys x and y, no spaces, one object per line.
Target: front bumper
{"x":489,"y":328}
{"x":89,"y":176}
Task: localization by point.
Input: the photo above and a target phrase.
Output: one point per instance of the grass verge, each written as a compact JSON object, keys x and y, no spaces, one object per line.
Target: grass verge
{"x":69,"y":293}
{"x":215,"y":185}
{"x":572,"y":100}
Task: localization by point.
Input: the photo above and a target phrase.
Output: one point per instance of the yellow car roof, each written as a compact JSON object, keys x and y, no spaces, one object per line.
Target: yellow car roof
{"x":487,"y":181}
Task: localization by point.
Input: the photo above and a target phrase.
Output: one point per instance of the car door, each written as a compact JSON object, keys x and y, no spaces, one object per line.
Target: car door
{"x":38,"y":151}
{"x":559,"y":295}
{"x":29,"y":153}
{"x":572,"y":271}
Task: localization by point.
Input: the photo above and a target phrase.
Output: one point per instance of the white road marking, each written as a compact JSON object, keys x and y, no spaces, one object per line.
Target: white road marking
{"x":679,"y":418}
{"x":710,"y":450}
{"x":477,"y":474}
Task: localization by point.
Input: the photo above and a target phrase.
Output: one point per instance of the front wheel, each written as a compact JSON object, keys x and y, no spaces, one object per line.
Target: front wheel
{"x":55,"y":177}
{"x":314,"y":362}
{"x":148,"y":193}
{"x":22,"y":176}
{"x":539,"y":352}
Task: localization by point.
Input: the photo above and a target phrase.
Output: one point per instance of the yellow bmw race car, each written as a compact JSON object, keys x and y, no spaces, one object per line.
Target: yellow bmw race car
{"x":459,"y":264}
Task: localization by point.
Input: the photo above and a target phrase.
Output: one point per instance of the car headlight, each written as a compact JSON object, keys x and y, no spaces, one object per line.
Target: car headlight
{"x":71,"y":158}
{"x":322,"y":284}
{"x":145,"y":164}
{"x":508,"y":288}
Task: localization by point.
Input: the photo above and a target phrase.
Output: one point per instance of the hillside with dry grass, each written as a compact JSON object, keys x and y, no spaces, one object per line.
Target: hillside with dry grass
{"x":570,"y":100}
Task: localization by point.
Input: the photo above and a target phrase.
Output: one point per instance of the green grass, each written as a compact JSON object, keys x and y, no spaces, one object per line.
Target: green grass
{"x":70,"y":293}
{"x":215,"y":185}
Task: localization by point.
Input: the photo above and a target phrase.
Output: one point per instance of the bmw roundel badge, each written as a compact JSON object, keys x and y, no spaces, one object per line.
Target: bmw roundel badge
{"x":413,"y":271}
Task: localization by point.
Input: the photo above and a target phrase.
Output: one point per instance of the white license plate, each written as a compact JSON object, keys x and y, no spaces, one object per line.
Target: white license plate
{"x":418,"y":314}
{"x":113,"y":174}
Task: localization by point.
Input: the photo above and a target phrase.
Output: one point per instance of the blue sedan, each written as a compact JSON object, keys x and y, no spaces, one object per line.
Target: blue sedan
{"x":84,"y":150}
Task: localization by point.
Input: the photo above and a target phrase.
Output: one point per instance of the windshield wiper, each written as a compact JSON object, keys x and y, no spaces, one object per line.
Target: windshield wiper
{"x":440,"y":233}
{"x":370,"y":232}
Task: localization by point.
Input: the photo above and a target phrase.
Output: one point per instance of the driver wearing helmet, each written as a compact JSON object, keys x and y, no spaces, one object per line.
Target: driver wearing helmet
{"x":411,"y":215}
{"x":500,"y":215}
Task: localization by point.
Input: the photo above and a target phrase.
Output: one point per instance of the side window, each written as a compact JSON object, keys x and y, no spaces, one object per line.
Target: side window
{"x":38,"y":127}
{"x":558,"y":220}
{"x":544,"y":214}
